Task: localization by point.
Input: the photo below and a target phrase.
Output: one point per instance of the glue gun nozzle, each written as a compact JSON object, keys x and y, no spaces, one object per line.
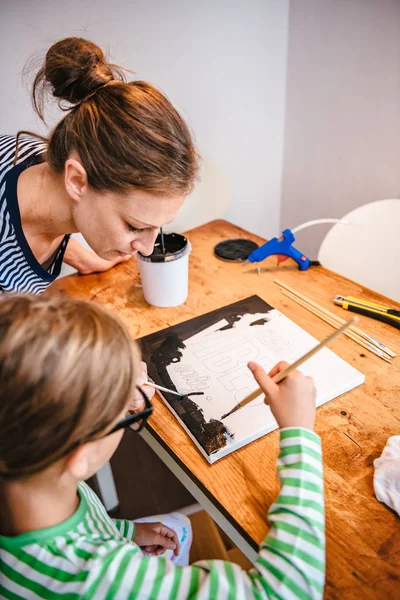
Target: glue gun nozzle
{"x":246,"y":262}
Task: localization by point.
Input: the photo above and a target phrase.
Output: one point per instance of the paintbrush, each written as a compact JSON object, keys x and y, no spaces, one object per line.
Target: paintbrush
{"x":280,"y":376}
{"x":163,"y":389}
{"x":162,"y":240}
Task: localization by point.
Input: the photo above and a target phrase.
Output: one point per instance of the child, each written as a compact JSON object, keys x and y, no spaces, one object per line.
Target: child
{"x":67,"y":376}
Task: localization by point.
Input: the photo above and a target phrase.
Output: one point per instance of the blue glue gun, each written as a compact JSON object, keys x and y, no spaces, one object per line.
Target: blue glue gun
{"x":282,"y":246}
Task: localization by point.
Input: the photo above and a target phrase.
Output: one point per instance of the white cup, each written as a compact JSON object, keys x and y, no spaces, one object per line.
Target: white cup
{"x":165,"y":277}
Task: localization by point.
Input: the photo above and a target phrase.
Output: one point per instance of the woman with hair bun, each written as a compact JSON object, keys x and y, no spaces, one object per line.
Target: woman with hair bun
{"x":116,"y":168}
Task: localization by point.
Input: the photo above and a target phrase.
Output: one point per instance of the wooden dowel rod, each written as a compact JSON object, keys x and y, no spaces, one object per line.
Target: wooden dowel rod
{"x":362,"y":333}
{"x":350,"y":333}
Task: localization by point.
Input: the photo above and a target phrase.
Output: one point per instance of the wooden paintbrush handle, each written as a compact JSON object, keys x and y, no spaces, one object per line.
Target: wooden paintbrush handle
{"x":299,"y":361}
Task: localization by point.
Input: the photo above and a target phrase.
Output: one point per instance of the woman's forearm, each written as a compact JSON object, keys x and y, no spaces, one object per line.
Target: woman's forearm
{"x":86,"y":261}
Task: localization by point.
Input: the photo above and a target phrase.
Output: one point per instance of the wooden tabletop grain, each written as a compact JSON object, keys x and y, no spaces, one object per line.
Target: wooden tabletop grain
{"x":363,"y":535}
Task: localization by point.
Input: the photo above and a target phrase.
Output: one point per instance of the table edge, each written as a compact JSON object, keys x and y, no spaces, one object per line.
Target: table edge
{"x":255,"y":545}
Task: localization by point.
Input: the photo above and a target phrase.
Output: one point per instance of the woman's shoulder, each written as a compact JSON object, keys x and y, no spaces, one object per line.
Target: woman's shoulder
{"x":28,"y":146}
{"x":7,"y":147}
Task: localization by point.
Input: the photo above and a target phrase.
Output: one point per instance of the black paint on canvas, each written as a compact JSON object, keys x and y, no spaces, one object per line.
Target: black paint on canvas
{"x":259,"y":322}
{"x":163,"y":348}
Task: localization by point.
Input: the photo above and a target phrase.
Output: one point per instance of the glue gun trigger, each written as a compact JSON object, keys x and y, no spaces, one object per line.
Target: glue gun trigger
{"x":281,"y":258}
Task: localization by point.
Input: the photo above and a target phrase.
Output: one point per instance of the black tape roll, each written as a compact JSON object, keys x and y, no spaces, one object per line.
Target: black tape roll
{"x":235,"y":250}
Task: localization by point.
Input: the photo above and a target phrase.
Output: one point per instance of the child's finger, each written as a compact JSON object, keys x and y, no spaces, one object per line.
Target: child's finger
{"x":142,"y":380}
{"x":281,"y":366}
{"x":148,"y":390}
{"x":161,"y":540}
{"x":263,"y":380}
{"x":142,"y":376}
{"x":175,"y":540}
{"x":171,"y":534}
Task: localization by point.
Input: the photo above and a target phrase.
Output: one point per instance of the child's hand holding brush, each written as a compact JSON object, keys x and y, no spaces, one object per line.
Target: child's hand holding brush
{"x":292,"y":401}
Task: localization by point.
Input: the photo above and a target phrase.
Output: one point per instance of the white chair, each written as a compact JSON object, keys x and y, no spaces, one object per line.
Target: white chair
{"x":367,"y":250}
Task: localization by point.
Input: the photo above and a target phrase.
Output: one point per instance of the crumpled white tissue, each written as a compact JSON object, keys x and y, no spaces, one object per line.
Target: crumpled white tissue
{"x":387,"y":474}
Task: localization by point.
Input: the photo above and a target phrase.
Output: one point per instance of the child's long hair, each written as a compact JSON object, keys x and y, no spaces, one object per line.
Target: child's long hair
{"x":67,"y":370}
{"x":127,"y":135}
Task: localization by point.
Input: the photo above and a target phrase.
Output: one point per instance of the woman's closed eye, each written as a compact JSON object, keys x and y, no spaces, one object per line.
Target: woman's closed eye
{"x":134,"y":229}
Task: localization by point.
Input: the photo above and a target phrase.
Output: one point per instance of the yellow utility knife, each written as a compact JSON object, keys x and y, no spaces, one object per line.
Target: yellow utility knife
{"x":370,"y":309}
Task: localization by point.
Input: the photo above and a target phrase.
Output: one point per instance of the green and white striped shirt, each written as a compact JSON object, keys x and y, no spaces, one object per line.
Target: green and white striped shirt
{"x":87,"y":556}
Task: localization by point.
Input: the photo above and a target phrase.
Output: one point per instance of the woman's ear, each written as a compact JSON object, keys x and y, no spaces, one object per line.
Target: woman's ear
{"x":75,"y":178}
{"x":79,"y":464}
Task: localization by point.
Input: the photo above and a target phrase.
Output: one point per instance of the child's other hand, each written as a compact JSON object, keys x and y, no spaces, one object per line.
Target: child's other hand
{"x":292,"y":401}
{"x":156,"y":538}
{"x":137,"y":402}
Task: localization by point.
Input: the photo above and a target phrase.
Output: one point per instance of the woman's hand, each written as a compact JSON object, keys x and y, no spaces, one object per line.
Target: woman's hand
{"x":156,"y":538}
{"x":86,"y":261}
{"x":95,"y":264}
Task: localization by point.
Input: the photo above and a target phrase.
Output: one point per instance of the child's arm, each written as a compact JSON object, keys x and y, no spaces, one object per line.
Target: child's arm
{"x":153,"y":537}
{"x":125,"y":528}
{"x":291,"y":562}
{"x":292,"y":557}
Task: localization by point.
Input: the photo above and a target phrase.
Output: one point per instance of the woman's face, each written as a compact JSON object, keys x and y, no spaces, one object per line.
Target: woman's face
{"x":119,"y":224}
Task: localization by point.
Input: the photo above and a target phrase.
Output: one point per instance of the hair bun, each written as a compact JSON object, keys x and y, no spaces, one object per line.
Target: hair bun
{"x":74,"y":68}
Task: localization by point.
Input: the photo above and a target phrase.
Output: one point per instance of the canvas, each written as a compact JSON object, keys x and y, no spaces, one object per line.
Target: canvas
{"x":208,"y":356}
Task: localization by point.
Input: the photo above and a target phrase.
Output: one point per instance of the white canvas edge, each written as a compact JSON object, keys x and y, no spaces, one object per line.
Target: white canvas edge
{"x":203,"y":452}
{"x":212,"y":458}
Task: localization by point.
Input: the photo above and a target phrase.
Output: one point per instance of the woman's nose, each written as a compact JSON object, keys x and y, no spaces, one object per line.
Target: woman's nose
{"x":145,"y":244}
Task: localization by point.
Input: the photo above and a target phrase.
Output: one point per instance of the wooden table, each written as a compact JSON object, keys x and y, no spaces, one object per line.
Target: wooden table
{"x":363,"y":536}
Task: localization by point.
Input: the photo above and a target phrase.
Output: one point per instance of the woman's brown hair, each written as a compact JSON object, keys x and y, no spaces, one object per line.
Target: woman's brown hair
{"x":67,"y":370}
{"x":127,"y":135}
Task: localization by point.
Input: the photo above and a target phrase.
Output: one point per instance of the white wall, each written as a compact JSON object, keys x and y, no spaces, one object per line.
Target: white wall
{"x":223,"y":63}
{"x":342,"y":137}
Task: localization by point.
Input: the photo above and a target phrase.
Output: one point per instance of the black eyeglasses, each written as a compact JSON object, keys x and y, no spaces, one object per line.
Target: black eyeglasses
{"x":138,"y":419}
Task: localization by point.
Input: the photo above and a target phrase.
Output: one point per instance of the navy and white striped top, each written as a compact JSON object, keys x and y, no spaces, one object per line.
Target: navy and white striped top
{"x":20,"y":272}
